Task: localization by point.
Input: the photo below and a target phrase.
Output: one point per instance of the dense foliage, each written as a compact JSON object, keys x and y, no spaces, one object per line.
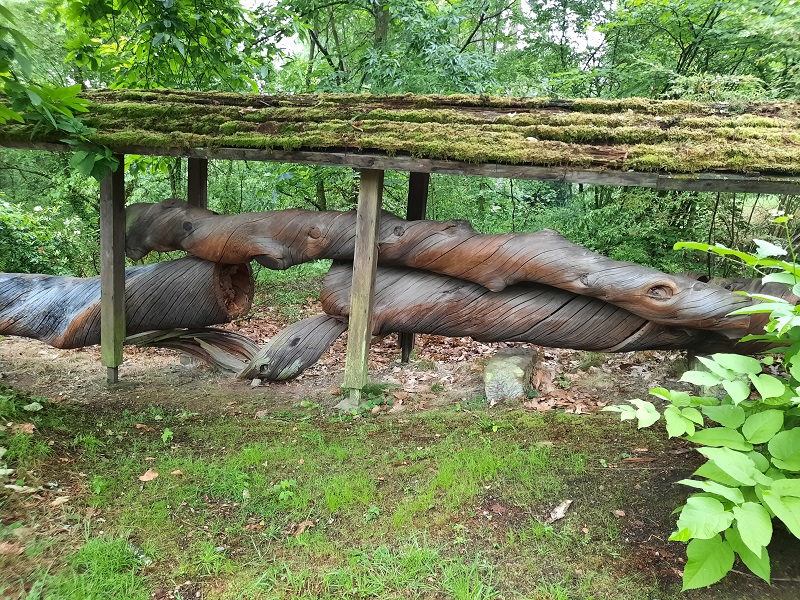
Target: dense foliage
{"x":698,"y":49}
{"x":749,"y":431}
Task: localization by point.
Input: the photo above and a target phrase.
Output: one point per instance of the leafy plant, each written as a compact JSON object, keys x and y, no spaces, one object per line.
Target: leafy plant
{"x":286,"y":489}
{"x":167,"y":435}
{"x":751,"y":436}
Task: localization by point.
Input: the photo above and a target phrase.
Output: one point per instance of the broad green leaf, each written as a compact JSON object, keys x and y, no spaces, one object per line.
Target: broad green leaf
{"x":787,"y":487}
{"x":761,"y":427}
{"x":708,"y":560}
{"x":692,"y":414}
{"x":757,"y":562}
{"x":780,"y":277}
{"x":734,"y":464}
{"x":646,"y":413}
{"x":754,"y":524}
{"x":768,"y":386}
{"x":675,"y":423}
{"x":711,"y":471}
{"x":726,"y":415}
{"x":704,"y":517}
{"x":761,"y":461}
{"x":729,"y":493}
{"x":765,"y":249}
{"x":785,"y":449}
{"x":786,"y":508}
{"x":737,"y":389}
{"x":721,"y":436}
{"x":716,"y":368}
{"x":701,"y":378}
{"x":738,"y":363}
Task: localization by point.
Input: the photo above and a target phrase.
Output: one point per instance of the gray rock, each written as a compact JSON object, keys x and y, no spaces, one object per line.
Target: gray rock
{"x":508,"y":374}
{"x":255,"y":383}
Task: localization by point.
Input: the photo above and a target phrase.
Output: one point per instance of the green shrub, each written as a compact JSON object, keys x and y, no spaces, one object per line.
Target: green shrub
{"x":751,"y":437}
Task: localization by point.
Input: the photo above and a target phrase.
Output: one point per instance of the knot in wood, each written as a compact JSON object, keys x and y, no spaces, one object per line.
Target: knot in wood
{"x":314,"y":233}
{"x":399,"y":231}
{"x":661,"y":292}
{"x":187,"y":225}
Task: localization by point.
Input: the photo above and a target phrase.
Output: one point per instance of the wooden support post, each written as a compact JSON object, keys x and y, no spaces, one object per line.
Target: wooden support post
{"x":112,"y":270}
{"x":418,"y":185}
{"x":365,"y":262}
{"x":197,"y":188}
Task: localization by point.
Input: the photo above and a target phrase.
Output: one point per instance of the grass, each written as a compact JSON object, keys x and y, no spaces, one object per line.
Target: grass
{"x":290,"y":289}
{"x":305,"y":504}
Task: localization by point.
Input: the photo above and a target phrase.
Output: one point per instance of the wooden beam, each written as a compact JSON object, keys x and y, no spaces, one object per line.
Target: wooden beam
{"x":756,"y":183}
{"x":365,"y":262}
{"x":112,"y":270}
{"x":416,"y":209}
{"x":197,"y":188}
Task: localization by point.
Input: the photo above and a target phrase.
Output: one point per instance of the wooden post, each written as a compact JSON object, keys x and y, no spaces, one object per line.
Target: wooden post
{"x":112,"y":270}
{"x":418,"y":185}
{"x":197,"y":188}
{"x":365,"y":262}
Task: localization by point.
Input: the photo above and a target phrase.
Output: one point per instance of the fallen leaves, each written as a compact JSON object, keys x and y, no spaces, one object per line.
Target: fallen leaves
{"x":176,"y":473}
{"x":144,"y":427}
{"x":10,"y":549}
{"x":297,"y":529}
{"x":559,"y":512}
{"x":60,"y":500}
{"x":148,"y":475}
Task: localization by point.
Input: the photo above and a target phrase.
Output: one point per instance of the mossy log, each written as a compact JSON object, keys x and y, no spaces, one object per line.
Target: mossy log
{"x":65,"y":311}
{"x":280,"y":239}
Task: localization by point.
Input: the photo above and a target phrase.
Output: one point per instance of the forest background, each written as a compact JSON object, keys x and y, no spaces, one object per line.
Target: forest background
{"x":732,"y":51}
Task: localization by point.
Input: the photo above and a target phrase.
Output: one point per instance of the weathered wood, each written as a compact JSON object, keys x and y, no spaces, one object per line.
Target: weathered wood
{"x":416,"y":208}
{"x":697,"y":182}
{"x":365,"y":262}
{"x":223,"y":350}
{"x":294,"y":349}
{"x":197,"y":184}
{"x":417,"y":301}
{"x":112,"y":269}
{"x":280,"y":239}
{"x":65,"y":311}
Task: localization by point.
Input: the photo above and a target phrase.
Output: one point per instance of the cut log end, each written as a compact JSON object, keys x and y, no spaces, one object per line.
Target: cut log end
{"x":234,"y":288}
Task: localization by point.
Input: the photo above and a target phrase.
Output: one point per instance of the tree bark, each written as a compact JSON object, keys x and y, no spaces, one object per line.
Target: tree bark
{"x":280,"y":239}
{"x":65,"y":311}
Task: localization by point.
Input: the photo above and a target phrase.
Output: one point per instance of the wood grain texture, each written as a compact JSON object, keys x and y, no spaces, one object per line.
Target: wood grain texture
{"x":112,"y":269}
{"x":65,"y":311}
{"x":414,"y":301}
{"x":280,"y":239}
{"x":365,"y":263}
{"x":294,"y":348}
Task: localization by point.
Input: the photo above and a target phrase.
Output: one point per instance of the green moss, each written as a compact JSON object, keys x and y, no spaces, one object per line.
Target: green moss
{"x":634,"y":133}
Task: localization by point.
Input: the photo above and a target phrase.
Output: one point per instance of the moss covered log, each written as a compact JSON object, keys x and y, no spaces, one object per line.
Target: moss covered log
{"x":631,"y":134}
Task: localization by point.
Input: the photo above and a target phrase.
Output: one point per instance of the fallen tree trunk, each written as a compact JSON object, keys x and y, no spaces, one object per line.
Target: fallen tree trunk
{"x":280,"y":239}
{"x":414,"y":301}
{"x":65,"y":311}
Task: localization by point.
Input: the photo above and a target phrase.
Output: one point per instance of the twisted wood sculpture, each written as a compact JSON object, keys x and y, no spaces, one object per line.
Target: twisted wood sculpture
{"x":65,"y":311}
{"x":280,"y":239}
{"x":440,"y":278}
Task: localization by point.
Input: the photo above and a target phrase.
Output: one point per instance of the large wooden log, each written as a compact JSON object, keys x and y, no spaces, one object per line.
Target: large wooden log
{"x":280,"y":239}
{"x":65,"y":311}
{"x":415,"y":301}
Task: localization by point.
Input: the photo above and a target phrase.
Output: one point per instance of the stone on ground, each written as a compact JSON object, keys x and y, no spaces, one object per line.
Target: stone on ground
{"x":508,"y":374}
